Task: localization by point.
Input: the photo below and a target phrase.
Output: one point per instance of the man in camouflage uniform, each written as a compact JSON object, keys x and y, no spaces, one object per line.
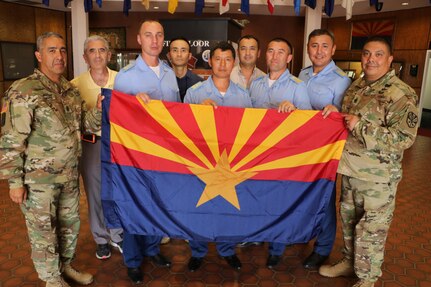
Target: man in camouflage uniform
{"x":42,"y":116}
{"x":381,"y":114}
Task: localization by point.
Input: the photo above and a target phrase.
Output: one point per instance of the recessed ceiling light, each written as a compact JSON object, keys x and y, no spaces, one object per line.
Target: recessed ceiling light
{"x":405,"y":3}
{"x":239,"y":9}
{"x":156,"y":7}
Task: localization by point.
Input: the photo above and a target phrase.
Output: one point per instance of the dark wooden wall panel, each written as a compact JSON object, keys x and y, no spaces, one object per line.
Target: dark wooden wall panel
{"x":20,"y":23}
{"x":411,"y":28}
{"x":50,"y":21}
{"x":16,"y":23}
{"x":409,"y":58}
{"x":342,"y":30}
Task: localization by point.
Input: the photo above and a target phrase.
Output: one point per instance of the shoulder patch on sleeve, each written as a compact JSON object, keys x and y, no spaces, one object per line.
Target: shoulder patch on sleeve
{"x":4,"y":109}
{"x":197,"y":85}
{"x":239,"y":87}
{"x":296,"y":80}
{"x":340,"y":72}
{"x":128,"y":67}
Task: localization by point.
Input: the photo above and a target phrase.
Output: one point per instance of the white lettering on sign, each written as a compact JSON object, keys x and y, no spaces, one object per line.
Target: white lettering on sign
{"x":193,"y":43}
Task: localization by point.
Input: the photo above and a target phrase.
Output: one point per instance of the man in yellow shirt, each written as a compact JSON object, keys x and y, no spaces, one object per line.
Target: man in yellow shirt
{"x":89,"y":84}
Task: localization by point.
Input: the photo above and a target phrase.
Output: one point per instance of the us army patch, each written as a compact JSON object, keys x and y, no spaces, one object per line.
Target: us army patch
{"x":3,"y":113}
{"x":412,"y":119}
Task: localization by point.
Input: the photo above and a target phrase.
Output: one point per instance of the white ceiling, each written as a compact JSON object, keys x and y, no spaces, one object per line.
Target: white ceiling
{"x":257,"y":7}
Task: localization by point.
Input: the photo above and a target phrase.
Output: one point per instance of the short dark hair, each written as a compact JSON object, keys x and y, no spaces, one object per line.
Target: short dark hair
{"x":179,"y":38}
{"x":280,"y":39}
{"x":250,"y":37}
{"x":224,"y":46}
{"x":381,"y":40}
{"x":321,"y":32}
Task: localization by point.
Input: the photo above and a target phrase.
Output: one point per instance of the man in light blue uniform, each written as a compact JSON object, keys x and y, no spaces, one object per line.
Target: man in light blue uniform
{"x":149,"y":78}
{"x":217,"y":90}
{"x":279,"y":89}
{"x":326,"y":84}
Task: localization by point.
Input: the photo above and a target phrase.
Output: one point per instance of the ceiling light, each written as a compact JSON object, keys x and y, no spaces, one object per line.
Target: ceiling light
{"x":405,"y":3}
{"x":239,"y":10}
{"x":156,"y":7}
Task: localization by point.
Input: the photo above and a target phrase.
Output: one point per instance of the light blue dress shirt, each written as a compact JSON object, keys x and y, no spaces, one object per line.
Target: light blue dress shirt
{"x":286,"y":88}
{"x":327,"y":87}
{"x":235,"y":95}
{"x":140,"y":78}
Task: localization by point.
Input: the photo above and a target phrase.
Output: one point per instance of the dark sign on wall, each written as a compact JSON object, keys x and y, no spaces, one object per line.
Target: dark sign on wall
{"x":202,"y":34}
{"x":18,"y":60}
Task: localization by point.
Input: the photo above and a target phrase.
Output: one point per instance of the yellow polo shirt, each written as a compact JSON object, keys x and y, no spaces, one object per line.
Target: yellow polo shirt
{"x":89,"y":90}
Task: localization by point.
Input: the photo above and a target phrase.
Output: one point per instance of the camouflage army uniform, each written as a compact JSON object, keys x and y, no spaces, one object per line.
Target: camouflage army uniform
{"x":371,"y":166}
{"x":39,"y":149}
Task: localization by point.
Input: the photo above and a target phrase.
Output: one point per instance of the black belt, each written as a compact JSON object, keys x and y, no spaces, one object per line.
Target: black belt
{"x":90,"y":138}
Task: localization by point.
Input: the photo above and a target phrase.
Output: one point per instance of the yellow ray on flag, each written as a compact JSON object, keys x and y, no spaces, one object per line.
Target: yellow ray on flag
{"x":250,"y":121}
{"x":204,"y":116}
{"x":134,"y":142}
{"x":157,"y":110}
{"x":172,"y":6}
{"x":289,"y":125}
{"x":319,"y":155}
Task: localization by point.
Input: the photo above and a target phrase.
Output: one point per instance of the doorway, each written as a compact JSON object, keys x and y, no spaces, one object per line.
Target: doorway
{"x":425,"y":99}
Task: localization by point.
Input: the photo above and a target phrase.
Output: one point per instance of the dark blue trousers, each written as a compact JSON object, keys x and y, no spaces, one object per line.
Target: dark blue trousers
{"x":200,"y":248}
{"x":136,"y":247}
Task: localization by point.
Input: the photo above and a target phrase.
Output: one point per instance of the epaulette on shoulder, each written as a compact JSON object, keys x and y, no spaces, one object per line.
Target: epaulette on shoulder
{"x":340,"y":72}
{"x":129,"y":66}
{"x":297,"y":80}
{"x":195,"y":86}
{"x":259,"y":78}
{"x":239,"y":87}
{"x":306,"y":68}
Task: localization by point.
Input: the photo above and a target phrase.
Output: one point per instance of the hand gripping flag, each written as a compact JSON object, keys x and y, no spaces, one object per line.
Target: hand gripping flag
{"x":225,"y":174}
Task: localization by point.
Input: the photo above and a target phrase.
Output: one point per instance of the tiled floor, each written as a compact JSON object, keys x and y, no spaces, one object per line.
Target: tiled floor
{"x":407,"y":261}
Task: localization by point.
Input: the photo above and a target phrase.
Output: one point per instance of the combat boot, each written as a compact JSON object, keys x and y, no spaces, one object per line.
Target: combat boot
{"x":57,"y":282}
{"x":364,"y":283}
{"x":82,"y":278}
{"x":344,"y":267}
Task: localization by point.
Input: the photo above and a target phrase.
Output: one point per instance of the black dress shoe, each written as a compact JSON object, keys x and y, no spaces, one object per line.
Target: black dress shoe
{"x":160,"y":260}
{"x":314,"y":261}
{"x":272,"y":261}
{"x":135,"y":274}
{"x":233,"y":261}
{"x":247,"y":244}
{"x":195,"y":263}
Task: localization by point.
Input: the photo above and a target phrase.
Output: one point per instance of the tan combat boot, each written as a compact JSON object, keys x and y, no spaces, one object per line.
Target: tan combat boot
{"x":57,"y":282}
{"x":82,"y":278}
{"x":363,"y":283}
{"x":344,"y":267}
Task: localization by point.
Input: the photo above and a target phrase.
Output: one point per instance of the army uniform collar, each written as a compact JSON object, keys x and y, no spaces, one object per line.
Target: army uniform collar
{"x":384,"y":79}
{"x":60,"y":88}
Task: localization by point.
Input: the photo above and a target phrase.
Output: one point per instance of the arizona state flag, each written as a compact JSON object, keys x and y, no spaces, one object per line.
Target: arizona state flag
{"x":217,"y":174}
